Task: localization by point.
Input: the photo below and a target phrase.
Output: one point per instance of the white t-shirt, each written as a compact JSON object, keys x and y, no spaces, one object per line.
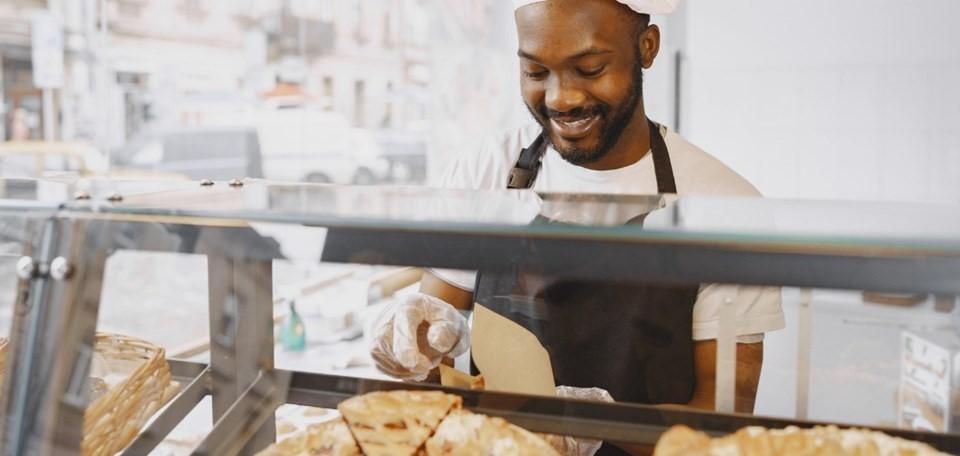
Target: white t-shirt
{"x":488,"y":167}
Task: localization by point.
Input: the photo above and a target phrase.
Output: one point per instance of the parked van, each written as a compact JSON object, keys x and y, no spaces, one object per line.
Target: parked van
{"x":298,"y":145}
{"x":317,"y":146}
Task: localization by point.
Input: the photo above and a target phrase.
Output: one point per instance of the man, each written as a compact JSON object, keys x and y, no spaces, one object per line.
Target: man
{"x":582,"y":65}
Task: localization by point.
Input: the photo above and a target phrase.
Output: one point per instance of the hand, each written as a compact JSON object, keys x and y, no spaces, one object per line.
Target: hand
{"x":570,"y":446}
{"x":413,"y":335}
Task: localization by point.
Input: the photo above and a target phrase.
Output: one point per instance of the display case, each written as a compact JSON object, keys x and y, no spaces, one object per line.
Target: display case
{"x":28,"y":205}
{"x":868,"y":293}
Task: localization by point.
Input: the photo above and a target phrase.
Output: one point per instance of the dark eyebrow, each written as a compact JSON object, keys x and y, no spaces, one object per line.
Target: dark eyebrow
{"x":584,"y":53}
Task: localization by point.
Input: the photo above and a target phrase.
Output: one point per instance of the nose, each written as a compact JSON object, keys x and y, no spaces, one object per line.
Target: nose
{"x":563,"y":97}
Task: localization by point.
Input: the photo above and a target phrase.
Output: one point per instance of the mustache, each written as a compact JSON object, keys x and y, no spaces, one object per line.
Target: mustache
{"x":576,"y":113}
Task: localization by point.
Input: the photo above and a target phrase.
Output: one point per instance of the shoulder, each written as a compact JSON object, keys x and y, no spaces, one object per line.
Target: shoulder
{"x":487,"y":165}
{"x":698,"y":172}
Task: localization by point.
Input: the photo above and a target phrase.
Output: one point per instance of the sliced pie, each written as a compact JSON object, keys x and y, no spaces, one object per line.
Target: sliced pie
{"x":464,"y":434}
{"x":681,"y":440}
{"x":820,"y":441}
{"x":332,"y":438}
{"x":396,"y":423}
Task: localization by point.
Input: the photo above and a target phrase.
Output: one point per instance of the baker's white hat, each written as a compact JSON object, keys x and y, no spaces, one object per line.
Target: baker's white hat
{"x":640,"y":6}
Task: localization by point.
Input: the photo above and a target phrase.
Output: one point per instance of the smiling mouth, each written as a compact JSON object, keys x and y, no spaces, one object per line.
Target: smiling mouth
{"x":574,"y":129}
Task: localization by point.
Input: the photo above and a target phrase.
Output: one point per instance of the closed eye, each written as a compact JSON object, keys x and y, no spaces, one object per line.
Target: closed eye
{"x":591,"y":72}
{"x":535,"y":74}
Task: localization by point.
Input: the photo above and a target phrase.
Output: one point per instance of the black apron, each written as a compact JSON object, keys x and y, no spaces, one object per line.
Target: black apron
{"x":633,"y":340}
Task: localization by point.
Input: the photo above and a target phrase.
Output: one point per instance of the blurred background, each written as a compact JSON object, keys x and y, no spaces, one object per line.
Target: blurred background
{"x":853,"y":100}
{"x":807,"y":100}
{"x":346,"y":91}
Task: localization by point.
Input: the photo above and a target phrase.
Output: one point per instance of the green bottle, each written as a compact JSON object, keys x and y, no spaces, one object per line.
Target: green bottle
{"x":293,"y":334}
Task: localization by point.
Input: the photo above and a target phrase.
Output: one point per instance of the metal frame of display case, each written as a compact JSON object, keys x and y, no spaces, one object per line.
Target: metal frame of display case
{"x":57,"y":308}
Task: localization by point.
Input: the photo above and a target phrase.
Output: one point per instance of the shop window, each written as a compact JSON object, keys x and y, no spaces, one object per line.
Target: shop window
{"x":387,"y":31}
{"x":388,"y":121}
{"x":130,"y":8}
{"x":194,"y":10}
{"x":359,"y":102}
{"x":328,"y":92}
{"x":359,"y":32}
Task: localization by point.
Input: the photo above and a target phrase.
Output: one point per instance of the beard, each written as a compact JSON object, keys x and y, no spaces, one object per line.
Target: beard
{"x":613,"y":121}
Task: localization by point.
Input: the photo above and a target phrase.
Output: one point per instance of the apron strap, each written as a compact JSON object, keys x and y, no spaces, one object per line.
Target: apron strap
{"x":666,"y":183}
{"x":524,"y":172}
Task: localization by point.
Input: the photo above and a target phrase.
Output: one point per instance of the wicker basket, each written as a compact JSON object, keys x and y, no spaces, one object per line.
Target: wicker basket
{"x":114,"y":419}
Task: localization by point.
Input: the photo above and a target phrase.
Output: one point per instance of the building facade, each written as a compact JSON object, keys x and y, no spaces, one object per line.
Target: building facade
{"x":20,"y":101}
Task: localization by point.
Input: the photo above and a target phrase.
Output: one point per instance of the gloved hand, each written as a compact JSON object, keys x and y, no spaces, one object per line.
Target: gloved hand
{"x":413,"y":335}
{"x":570,"y":446}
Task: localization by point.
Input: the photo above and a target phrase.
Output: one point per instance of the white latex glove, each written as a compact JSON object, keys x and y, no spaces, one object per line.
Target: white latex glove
{"x":414,"y":334}
{"x":569,"y":446}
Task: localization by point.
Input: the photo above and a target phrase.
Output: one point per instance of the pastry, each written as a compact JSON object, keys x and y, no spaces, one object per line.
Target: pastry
{"x":332,"y":438}
{"x":819,"y":441}
{"x":396,"y":422}
{"x":463,"y":434}
{"x":411,"y":423}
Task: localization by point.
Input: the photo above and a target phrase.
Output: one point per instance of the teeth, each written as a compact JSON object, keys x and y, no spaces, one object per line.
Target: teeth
{"x":576,"y":123}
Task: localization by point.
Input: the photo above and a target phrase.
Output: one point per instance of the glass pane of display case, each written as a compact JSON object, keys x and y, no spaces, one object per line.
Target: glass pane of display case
{"x":24,"y":207}
{"x":863,"y":357}
{"x":734,"y":219}
{"x":27,"y":208}
{"x":713,"y":313}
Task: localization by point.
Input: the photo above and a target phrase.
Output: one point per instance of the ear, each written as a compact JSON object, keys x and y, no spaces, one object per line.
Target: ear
{"x":649,"y":45}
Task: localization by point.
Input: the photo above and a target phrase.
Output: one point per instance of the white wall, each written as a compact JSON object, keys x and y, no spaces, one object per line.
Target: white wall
{"x":857,"y":99}
{"x":658,"y":81}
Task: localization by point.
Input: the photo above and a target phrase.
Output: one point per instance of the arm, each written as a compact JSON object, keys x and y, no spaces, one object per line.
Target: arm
{"x":749,"y":363}
{"x":749,"y":359}
{"x":436,"y":287}
{"x":416,"y":332}
{"x":459,"y":298}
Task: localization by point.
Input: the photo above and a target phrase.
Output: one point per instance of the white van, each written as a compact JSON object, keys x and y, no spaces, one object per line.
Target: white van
{"x":299,"y":144}
{"x":282,"y":144}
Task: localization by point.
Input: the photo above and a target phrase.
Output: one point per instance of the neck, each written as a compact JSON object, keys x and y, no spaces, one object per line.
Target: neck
{"x":633,"y":144}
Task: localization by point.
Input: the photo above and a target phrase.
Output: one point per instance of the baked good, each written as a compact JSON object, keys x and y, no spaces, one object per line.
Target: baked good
{"x":463,"y":434}
{"x":407,"y":423}
{"x":332,"y":438}
{"x":396,"y":422}
{"x":819,"y":441}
